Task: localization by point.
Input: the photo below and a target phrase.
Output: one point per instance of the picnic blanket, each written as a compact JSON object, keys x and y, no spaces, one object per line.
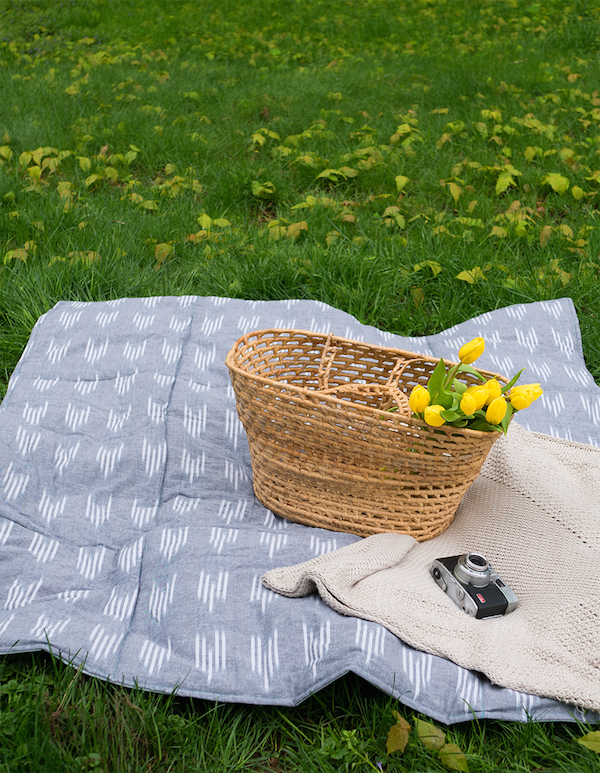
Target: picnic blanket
{"x":130,"y":538}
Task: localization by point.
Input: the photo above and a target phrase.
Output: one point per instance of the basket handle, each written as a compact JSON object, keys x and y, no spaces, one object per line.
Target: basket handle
{"x":327,"y":358}
{"x":401,"y":400}
{"x":392,"y":394}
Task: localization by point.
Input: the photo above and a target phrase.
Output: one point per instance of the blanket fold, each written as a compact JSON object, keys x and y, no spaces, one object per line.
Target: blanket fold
{"x":533,"y":512}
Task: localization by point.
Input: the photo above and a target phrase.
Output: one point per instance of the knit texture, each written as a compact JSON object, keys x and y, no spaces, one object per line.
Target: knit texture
{"x":534,"y":512}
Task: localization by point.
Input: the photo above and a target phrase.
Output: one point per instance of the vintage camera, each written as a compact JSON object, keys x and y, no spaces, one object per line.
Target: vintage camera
{"x":474,"y":586}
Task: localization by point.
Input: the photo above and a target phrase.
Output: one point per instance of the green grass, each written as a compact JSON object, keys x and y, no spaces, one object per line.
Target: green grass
{"x":54,"y":718}
{"x":413,"y":163}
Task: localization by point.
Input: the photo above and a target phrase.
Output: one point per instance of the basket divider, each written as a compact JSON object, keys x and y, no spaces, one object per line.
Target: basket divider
{"x":327,"y":358}
{"x":398,"y":370}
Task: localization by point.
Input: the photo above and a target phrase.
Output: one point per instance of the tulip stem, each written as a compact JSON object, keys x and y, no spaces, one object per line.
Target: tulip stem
{"x":451,"y":373}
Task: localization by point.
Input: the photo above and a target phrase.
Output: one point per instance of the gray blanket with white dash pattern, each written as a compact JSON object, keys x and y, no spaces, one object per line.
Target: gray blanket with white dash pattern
{"x":130,"y":537}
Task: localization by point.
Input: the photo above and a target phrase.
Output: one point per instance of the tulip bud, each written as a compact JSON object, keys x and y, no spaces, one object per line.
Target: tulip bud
{"x":494,"y":390}
{"x":432,"y":415}
{"x":419,"y":399}
{"x":534,"y":389}
{"x":496,"y":410}
{"x":522,"y":396}
{"x":471,"y":351}
{"x":537,"y":391}
{"x":523,"y":387}
{"x":468,"y":404}
{"x":520,"y":400}
{"x":479,"y":393}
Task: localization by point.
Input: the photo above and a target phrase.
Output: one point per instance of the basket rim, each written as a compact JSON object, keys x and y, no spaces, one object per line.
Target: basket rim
{"x":313,"y":334}
{"x":335,"y":401}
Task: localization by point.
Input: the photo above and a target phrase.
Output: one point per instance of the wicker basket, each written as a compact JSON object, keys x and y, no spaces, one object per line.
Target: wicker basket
{"x":325,"y":449}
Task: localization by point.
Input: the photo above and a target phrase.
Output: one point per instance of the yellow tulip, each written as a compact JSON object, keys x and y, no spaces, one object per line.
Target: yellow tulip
{"x":494,"y":390}
{"x":496,"y":410}
{"x":520,"y":400}
{"x":522,"y":396}
{"x":471,"y":351}
{"x":537,"y":391}
{"x":534,"y":389}
{"x":419,"y":399}
{"x":479,"y":393}
{"x":468,"y":404}
{"x":432,"y":415}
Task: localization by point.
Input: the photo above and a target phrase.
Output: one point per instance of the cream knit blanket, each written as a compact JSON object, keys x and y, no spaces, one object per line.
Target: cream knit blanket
{"x":534,"y":511}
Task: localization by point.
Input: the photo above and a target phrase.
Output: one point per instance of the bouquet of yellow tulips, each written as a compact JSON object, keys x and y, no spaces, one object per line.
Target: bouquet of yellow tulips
{"x":487,"y":407}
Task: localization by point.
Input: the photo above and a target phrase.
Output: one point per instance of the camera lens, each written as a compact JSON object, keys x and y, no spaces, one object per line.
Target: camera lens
{"x":473,"y":569}
{"x":477,"y":561}
{"x":436,"y":573}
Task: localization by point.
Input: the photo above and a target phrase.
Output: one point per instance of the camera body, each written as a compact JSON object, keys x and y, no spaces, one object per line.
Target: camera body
{"x":474,"y":586}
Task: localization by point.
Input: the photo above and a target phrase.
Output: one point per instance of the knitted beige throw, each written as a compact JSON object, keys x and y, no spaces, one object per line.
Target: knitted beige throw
{"x":534,"y":511}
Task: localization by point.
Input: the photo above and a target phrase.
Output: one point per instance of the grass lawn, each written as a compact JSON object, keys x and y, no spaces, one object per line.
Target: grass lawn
{"x":413,"y":163}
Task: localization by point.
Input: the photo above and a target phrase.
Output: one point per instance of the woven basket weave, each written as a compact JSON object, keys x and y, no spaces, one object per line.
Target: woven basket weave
{"x":325,"y":449}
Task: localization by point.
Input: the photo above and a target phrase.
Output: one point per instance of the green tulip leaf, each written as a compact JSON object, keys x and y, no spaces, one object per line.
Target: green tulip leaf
{"x":483,"y":426}
{"x":451,"y":373}
{"x":459,"y":387}
{"x":505,"y":421}
{"x":436,"y":380}
{"x":444,"y":398}
{"x":463,"y":368}
{"x":512,"y":382}
{"x":450,"y":415}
